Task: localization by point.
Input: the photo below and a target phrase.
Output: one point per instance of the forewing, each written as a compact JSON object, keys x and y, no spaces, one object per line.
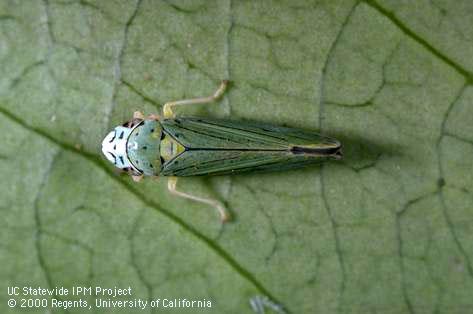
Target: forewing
{"x":219,"y":162}
{"x":222,"y":134}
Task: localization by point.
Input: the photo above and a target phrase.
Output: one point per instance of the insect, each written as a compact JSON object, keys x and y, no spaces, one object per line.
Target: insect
{"x":166,"y":145}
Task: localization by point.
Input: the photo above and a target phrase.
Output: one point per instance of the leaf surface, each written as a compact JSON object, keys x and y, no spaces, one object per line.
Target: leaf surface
{"x":388,"y":229}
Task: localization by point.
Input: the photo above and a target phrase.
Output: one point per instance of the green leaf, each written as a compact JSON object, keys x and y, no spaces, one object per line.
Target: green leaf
{"x":388,"y":229}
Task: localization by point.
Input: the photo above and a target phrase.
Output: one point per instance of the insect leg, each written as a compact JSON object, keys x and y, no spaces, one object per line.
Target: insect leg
{"x":138,"y":115}
{"x":167,"y":109}
{"x":137,"y":178}
{"x":224,"y":215}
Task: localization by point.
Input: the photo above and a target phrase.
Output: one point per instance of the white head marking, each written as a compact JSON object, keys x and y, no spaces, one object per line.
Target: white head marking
{"x":114,"y":147}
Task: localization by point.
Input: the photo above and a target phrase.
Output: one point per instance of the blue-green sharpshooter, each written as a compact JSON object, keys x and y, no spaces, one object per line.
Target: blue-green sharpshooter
{"x":190,"y":146}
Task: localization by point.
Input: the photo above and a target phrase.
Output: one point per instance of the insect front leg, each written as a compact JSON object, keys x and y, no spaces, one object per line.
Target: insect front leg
{"x":137,"y":178}
{"x":138,"y":115}
{"x":224,"y":215}
{"x":167,"y":109}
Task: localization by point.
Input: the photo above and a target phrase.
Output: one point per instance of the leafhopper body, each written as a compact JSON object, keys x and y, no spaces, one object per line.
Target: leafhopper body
{"x":190,"y":146}
{"x":203,"y":146}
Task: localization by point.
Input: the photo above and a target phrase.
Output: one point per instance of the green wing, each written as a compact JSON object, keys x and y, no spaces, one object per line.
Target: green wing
{"x":222,"y":134}
{"x":220,"y":162}
{"x":215,"y":147}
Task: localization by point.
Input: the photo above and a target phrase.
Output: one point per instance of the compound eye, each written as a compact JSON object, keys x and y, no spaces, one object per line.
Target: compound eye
{"x":136,"y":173}
{"x":131,"y":123}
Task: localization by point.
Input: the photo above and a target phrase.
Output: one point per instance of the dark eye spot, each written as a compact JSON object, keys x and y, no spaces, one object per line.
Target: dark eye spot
{"x":114,"y":147}
{"x":151,"y":131}
{"x":151,"y":166}
{"x":115,"y":158}
{"x":145,"y":147}
{"x":137,"y":133}
{"x":121,"y":135}
{"x":114,"y":135}
{"x":137,"y":162}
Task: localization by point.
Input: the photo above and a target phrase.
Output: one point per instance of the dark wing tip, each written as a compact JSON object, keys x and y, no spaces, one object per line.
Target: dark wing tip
{"x":338,"y":154}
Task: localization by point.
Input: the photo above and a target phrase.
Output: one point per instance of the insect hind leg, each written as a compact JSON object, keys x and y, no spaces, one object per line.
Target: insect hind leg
{"x":224,"y":215}
{"x":167,"y":109}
